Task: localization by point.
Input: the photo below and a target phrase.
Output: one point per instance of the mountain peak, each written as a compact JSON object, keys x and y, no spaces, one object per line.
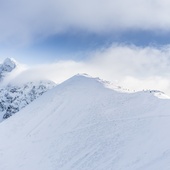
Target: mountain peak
{"x":82,"y":80}
{"x":8,"y":65}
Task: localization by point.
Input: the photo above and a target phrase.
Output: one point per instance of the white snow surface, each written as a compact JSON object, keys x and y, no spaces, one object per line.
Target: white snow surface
{"x":83,"y":125}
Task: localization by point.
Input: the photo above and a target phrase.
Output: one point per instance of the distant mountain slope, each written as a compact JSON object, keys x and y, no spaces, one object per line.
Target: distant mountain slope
{"x":14,"y":98}
{"x":82,"y":125}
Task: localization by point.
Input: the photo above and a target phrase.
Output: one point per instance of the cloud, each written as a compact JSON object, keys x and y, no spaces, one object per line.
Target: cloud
{"x":25,"y":21}
{"x":135,"y":67}
{"x":128,"y":66}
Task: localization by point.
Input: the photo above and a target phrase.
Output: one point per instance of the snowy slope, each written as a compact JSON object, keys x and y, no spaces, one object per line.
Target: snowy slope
{"x":83,"y":125}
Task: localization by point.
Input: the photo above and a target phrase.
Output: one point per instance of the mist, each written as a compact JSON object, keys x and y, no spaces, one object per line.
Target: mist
{"x":128,"y":66}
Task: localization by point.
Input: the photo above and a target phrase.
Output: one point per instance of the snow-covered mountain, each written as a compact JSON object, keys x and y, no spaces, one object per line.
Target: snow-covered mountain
{"x":14,"y":98}
{"x":6,"y":67}
{"x":82,"y":124}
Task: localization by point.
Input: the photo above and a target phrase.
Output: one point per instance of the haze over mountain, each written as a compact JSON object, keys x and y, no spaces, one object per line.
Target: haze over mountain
{"x":82,"y":124}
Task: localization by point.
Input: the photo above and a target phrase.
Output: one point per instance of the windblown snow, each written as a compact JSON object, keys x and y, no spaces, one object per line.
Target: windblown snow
{"x":83,"y":125}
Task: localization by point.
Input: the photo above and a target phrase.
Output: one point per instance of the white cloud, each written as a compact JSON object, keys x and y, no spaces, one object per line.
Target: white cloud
{"x":129,"y":66}
{"x":24,"y":21}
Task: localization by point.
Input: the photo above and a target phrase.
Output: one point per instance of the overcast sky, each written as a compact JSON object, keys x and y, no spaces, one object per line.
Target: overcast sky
{"x":118,"y":40}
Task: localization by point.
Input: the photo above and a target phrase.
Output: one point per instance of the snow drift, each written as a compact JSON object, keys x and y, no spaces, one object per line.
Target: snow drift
{"x":83,"y":125}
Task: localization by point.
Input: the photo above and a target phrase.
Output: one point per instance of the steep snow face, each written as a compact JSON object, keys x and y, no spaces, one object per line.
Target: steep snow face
{"x":14,"y":98}
{"x":7,"y":66}
{"x":82,"y":125}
